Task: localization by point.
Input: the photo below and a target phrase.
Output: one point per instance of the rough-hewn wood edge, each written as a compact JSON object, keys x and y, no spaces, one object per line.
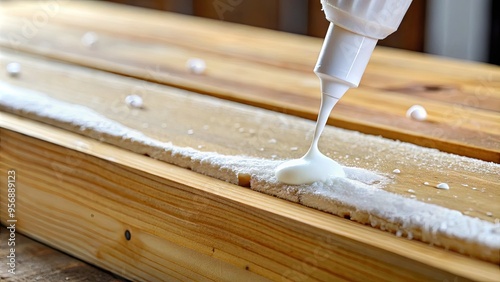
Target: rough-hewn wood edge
{"x":326,"y":232}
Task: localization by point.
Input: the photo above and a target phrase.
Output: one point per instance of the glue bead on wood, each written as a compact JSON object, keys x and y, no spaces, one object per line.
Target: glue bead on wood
{"x":89,"y":39}
{"x":410,"y":214}
{"x":417,"y":112}
{"x":196,"y":66}
{"x":13,"y":69}
{"x":134,"y":101}
{"x":443,"y":185}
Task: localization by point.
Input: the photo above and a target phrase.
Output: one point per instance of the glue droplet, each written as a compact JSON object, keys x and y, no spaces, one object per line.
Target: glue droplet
{"x":314,"y":166}
{"x":417,"y":112}
{"x":443,"y":185}
{"x":13,"y":69}
{"x":396,"y":171}
{"x":196,"y":65}
{"x":134,"y":101}
{"x":89,"y":39}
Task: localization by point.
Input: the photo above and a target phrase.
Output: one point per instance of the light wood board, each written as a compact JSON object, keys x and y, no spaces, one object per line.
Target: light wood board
{"x":44,"y":264}
{"x":89,"y":181}
{"x":185,"y":226}
{"x":80,"y":195}
{"x":232,"y":129}
{"x":272,"y":70}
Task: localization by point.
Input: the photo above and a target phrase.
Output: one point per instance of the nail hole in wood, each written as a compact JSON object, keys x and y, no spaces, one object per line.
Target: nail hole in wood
{"x":128,"y":235}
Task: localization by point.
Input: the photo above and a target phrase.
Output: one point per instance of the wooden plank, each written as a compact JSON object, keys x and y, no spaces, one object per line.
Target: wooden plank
{"x":123,"y":178}
{"x":462,"y":98}
{"x":233,"y":129}
{"x":88,"y":220}
{"x":185,"y":226}
{"x":38,"y":262}
{"x":162,"y":219}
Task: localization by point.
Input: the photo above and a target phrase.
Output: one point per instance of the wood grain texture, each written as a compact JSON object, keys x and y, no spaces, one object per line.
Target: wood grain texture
{"x":38,"y":262}
{"x":165,"y":118}
{"x":101,"y":191}
{"x":164,"y":203}
{"x":234,"y":129}
{"x":273,"y":70}
{"x":185,"y":226}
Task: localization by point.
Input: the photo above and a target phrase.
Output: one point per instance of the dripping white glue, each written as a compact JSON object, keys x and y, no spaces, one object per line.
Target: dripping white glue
{"x":355,"y":27}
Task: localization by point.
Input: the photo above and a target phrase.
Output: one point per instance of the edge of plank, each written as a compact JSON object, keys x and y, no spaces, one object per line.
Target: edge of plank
{"x":418,"y":252}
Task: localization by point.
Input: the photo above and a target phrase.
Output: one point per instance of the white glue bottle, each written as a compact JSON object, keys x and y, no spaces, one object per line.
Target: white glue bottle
{"x":355,"y":28}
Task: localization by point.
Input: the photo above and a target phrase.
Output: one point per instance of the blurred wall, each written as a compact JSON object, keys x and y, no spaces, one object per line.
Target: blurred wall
{"x":459,"y":28}
{"x":455,"y":28}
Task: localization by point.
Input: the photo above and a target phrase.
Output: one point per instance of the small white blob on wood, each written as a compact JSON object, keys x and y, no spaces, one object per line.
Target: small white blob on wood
{"x":196,"y":65}
{"x":417,"y":112}
{"x":396,"y":171}
{"x":13,"y":69}
{"x":89,"y":39}
{"x":134,"y":101}
{"x":443,"y":185}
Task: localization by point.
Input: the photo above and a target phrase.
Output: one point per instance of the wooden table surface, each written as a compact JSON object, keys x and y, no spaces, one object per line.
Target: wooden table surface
{"x":271,"y":71}
{"x":39,"y":262}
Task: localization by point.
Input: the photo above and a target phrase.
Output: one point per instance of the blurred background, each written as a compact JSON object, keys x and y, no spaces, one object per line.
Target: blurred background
{"x":463,"y":29}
